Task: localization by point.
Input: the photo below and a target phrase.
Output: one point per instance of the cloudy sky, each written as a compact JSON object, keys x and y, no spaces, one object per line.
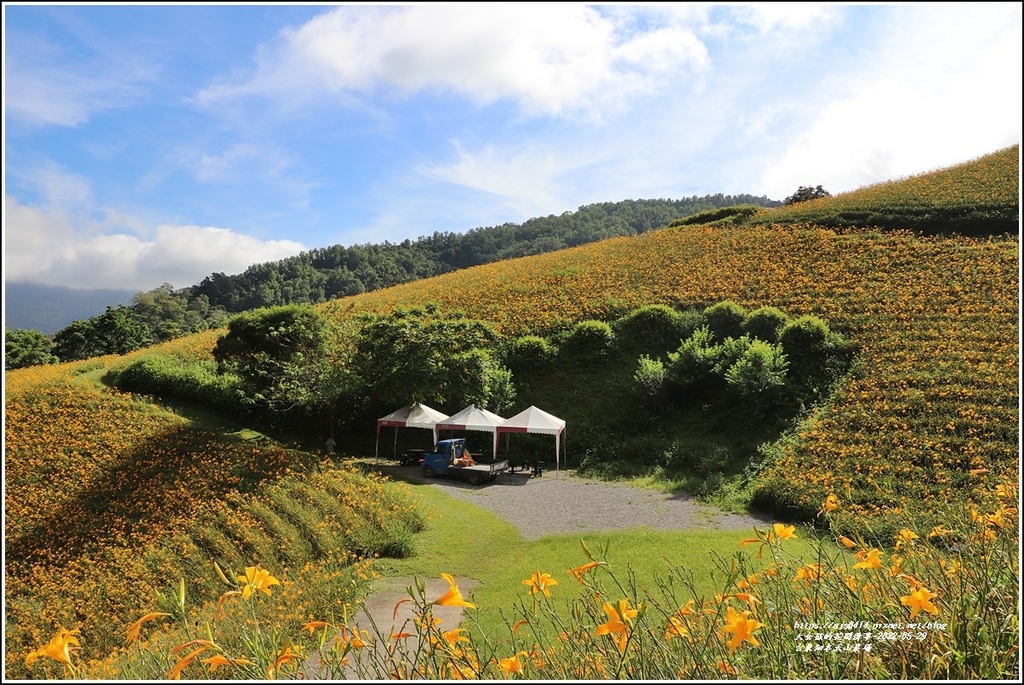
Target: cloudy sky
{"x":161,"y":143}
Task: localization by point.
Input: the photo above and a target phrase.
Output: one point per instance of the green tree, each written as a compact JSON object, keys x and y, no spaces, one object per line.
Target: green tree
{"x":805,"y":193}
{"x":116,"y":331}
{"x":285,"y":357}
{"x":27,"y":347}
{"x":425,"y":355}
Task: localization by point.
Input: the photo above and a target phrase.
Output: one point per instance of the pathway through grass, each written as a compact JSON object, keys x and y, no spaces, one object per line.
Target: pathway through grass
{"x":470,"y":542}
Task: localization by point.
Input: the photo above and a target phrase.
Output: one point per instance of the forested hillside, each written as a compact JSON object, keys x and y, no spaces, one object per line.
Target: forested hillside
{"x":323,"y":274}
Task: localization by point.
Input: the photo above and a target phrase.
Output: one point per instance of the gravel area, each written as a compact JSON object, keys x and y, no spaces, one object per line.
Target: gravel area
{"x":561,"y":502}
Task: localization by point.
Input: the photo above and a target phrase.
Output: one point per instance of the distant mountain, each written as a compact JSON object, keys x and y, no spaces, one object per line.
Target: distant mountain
{"x":51,"y":308}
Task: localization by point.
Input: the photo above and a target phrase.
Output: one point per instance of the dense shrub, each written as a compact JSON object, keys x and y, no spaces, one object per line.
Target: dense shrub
{"x":693,"y":363}
{"x":170,"y":377}
{"x":817,"y":356}
{"x":760,"y":370}
{"x":654,"y":329}
{"x":587,"y":341}
{"x":765,"y":323}
{"x":650,"y":377}
{"x":528,"y":355}
{"x":725,"y":319}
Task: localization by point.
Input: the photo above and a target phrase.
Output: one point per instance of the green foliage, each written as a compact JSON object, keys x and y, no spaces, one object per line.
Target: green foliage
{"x":760,"y":370}
{"x":725,"y":319}
{"x":765,"y":323}
{"x":428,"y":356}
{"x":817,"y":356}
{"x":27,"y":347}
{"x":527,"y":356}
{"x":654,"y":329}
{"x":725,"y":216}
{"x":116,"y":331}
{"x":805,"y":193}
{"x":170,"y":377}
{"x":588,"y":340}
{"x":649,"y":376}
{"x":694,"y":362}
{"x":170,"y":314}
{"x":284,"y":357}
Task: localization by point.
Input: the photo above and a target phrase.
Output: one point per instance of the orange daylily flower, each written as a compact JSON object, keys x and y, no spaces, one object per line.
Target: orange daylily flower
{"x":808,"y":573}
{"x":540,"y":582}
{"x":453,"y":597}
{"x":618,"y":624}
{"x":580,"y":570}
{"x":512,"y":664}
{"x":847,"y":542}
{"x":256,"y":579}
{"x":313,"y":626}
{"x":784,"y":532}
{"x":869,"y":560}
{"x":133,"y":629}
{"x":920,"y":599}
{"x":675,"y":628}
{"x":830,"y":504}
{"x":58,"y":648}
{"x":217,"y":660}
{"x":741,"y":627}
{"x":183,"y":662}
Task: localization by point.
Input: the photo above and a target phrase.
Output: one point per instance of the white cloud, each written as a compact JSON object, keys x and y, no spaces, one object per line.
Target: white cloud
{"x":52,"y":88}
{"x":527,"y":179}
{"x":50,"y":247}
{"x":941,"y":91}
{"x":561,"y":59}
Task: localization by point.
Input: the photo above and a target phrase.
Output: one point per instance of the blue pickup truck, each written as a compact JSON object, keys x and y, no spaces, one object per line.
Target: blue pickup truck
{"x":451,"y":458}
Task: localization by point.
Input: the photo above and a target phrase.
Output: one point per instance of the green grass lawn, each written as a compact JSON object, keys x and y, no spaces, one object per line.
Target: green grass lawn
{"x":469,"y":541}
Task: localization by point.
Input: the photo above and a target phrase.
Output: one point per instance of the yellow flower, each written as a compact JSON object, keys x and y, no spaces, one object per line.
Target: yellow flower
{"x":512,"y":664}
{"x":869,"y":560}
{"x":58,"y":648}
{"x":256,"y":579}
{"x":540,"y":582}
{"x":284,"y":658}
{"x":919,"y":600}
{"x":746,"y":583}
{"x":741,"y":627}
{"x":218,"y":660}
{"x":675,"y":628}
{"x":133,"y":629}
{"x":784,"y":532}
{"x":831,"y":504}
{"x":619,"y":621}
{"x":847,"y":542}
{"x":905,"y":537}
{"x":313,"y":626}
{"x":580,"y":570}
{"x":183,"y":662}
{"x":453,"y":597}
{"x":808,"y":573}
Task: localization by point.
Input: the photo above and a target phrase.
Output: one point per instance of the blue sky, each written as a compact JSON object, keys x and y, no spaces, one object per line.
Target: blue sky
{"x":146,"y":144}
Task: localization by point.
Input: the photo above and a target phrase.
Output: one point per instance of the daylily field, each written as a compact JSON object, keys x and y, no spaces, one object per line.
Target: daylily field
{"x":910,"y":472}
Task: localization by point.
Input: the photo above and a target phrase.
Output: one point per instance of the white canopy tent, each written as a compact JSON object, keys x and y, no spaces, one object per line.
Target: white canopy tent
{"x":413,"y":416}
{"x":473,"y":418}
{"x":534,"y":420}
